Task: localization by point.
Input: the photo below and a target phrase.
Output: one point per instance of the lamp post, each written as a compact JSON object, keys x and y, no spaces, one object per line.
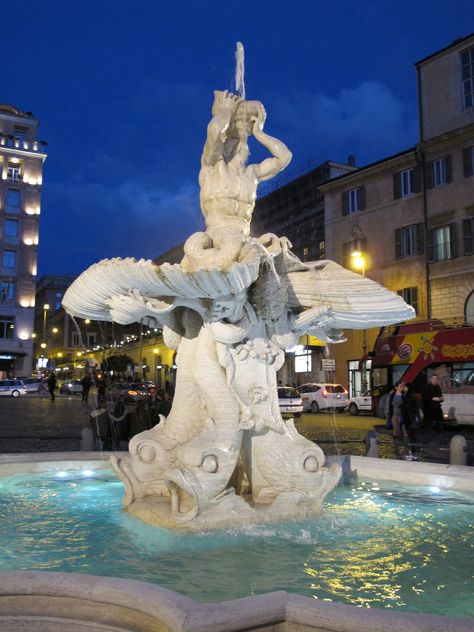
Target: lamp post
{"x":45,"y":311}
{"x":358,"y":262}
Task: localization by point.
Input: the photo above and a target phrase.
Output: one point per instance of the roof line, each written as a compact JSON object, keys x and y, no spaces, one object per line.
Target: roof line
{"x":369,"y":166}
{"x":442,"y":50}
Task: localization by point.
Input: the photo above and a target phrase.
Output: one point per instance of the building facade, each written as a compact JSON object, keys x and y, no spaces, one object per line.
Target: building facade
{"x":21,"y":167}
{"x":411,"y":216}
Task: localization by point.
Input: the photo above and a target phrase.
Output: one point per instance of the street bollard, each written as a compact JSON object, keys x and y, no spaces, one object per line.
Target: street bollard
{"x":87,"y":439}
{"x":458,"y":450}
{"x":372,"y":444}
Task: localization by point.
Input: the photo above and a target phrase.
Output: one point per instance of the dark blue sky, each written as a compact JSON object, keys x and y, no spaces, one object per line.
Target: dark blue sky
{"x":123,"y":90}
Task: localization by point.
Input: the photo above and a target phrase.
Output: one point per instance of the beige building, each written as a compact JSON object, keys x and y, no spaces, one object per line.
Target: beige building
{"x":411,"y":215}
{"x":21,"y":166}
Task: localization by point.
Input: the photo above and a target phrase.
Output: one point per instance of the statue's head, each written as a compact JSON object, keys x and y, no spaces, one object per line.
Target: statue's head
{"x":241,"y":125}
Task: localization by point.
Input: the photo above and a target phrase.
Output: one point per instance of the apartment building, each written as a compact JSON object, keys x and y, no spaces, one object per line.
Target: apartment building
{"x":411,"y":216}
{"x":21,"y":167}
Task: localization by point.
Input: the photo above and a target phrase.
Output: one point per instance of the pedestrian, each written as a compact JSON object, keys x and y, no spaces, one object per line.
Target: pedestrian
{"x":101,"y":386}
{"x":389,"y":407}
{"x":86,"y":387}
{"x":397,"y":418}
{"x":411,"y":420}
{"x":432,"y":397}
{"x":51,"y":381}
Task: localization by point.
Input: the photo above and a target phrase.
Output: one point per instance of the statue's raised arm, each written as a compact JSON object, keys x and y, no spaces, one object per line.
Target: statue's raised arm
{"x":224,"y":108}
{"x":270,"y":167}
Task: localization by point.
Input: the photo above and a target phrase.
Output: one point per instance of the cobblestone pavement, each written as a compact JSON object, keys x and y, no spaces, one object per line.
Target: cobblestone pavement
{"x":35,"y":424}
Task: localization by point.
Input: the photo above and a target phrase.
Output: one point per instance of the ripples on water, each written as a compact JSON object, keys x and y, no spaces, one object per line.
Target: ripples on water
{"x":374,"y":545}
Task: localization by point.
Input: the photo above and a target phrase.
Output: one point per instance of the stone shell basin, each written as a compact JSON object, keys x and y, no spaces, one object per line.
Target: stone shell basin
{"x":70,"y":601}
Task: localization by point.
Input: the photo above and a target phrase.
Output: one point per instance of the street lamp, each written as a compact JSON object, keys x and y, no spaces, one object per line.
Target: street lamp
{"x":358,"y":262}
{"x":45,"y":310}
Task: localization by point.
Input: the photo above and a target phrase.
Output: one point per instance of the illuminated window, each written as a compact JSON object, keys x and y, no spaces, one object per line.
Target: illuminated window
{"x":440,"y":243}
{"x":7,"y":326}
{"x":14,"y":171}
{"x":57,"y":300}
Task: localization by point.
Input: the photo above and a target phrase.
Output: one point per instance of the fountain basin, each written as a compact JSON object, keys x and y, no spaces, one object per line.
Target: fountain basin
{"x":56,"y":595}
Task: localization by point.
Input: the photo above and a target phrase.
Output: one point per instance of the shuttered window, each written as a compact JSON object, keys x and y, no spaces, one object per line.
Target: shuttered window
{"x":439,"y":172}
{"x":407,"y":182}
{"x":468,"y":161}
{"x":410,"y":296}
{"x":353,"y":200}
{"x":409,"y":241}
{"x":467,"y":80}
{"x":440,"y":243}
{"x":467,"y":236}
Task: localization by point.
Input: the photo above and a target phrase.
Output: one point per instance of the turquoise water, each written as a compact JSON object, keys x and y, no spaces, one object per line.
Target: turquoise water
{"x":375,"y":545}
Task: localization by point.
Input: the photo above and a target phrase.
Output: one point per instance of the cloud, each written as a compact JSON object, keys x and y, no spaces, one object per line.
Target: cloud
{"x":367,"y":120}
{"x":100,"y":221}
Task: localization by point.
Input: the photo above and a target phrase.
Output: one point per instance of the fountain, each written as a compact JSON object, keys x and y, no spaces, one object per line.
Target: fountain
{"x":224,"y":455}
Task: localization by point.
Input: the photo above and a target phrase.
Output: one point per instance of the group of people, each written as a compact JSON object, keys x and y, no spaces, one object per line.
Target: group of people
{"x":404,"y":413}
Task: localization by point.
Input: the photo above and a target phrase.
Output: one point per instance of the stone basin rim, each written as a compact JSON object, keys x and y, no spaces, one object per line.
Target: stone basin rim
{"x":45,"y":598}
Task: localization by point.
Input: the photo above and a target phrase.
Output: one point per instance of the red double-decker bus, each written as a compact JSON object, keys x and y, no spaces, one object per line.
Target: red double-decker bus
{"x":412,"y":352}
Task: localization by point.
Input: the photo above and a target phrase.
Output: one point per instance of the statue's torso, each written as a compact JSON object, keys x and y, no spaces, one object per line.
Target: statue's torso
{"x":227,"y":192}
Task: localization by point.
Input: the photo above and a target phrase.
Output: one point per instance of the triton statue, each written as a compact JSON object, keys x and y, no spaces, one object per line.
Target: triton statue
{"x":224,"y":455}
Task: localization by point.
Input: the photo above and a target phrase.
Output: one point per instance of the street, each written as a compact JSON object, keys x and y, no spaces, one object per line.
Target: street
{"x":34,"y":423}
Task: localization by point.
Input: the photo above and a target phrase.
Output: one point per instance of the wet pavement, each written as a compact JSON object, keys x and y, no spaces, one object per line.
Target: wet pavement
{"x":35,"y":424}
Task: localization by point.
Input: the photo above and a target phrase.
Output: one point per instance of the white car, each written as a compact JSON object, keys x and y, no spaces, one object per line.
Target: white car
{"x":12,"y":388}
{"x":289,"y":401}
{"x":318,"y":397}
{"x":361,"y":404}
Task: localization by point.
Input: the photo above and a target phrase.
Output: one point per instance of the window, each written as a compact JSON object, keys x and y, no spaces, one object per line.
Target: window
{"x":10,"y":228}
{"x":407,"y":182}
{"x":469,"y":309}
{"x":303,"y":362}
{"x":353,"y":200}
{"x":468,"y":161}
{"x":440,"y":243}
{"x":57,"y":300}
{"x":467,"y":63}
{"x":14,"y":171}
{"x":410,"y":296}
{"x":305,"y":251}
{"x":7,"y":326}
{"x":20,"y":133}
{"x":468,"y":236}
{"x":75,"y":340}
{"x":91,"y":339}
{"x":438,"y":172}
{"x":13,"y":201}
{"x":409,"y":241}
{"x":7,"y":291}
{"x":9,"y":259}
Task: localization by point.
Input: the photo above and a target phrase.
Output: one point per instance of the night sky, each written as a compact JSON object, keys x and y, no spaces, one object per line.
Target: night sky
{"x":123,"y":90}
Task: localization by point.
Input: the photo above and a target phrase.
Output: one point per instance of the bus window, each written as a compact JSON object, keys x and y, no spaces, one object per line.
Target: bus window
{"x":397,"y":372}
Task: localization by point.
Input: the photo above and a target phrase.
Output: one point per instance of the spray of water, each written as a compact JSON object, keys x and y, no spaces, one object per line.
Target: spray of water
{"x":240,"y":70}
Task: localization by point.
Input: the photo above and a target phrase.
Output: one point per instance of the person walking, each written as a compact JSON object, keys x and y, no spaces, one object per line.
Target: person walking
{"x":51,"y":381}
{"x":397,"y":418}
{"x":432,"y":397}
{"x":86,"y":387}
{"x":411,"y":418}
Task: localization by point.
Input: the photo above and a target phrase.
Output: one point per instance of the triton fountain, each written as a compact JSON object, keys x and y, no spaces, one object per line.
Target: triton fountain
{"x":224,"y":455}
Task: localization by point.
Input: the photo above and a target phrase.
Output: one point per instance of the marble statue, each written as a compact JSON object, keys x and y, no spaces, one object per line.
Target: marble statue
{"x":224,"y":455}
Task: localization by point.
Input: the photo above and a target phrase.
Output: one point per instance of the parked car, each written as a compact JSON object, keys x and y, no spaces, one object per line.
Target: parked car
{"x":318,"y":397}
{"x":13,"y":388}
{"x":289,"y":401}
{"x":71,"y":387}
{"x":127,"y":393}
{"x":361,"y":403}
{"x":33,"y":384}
